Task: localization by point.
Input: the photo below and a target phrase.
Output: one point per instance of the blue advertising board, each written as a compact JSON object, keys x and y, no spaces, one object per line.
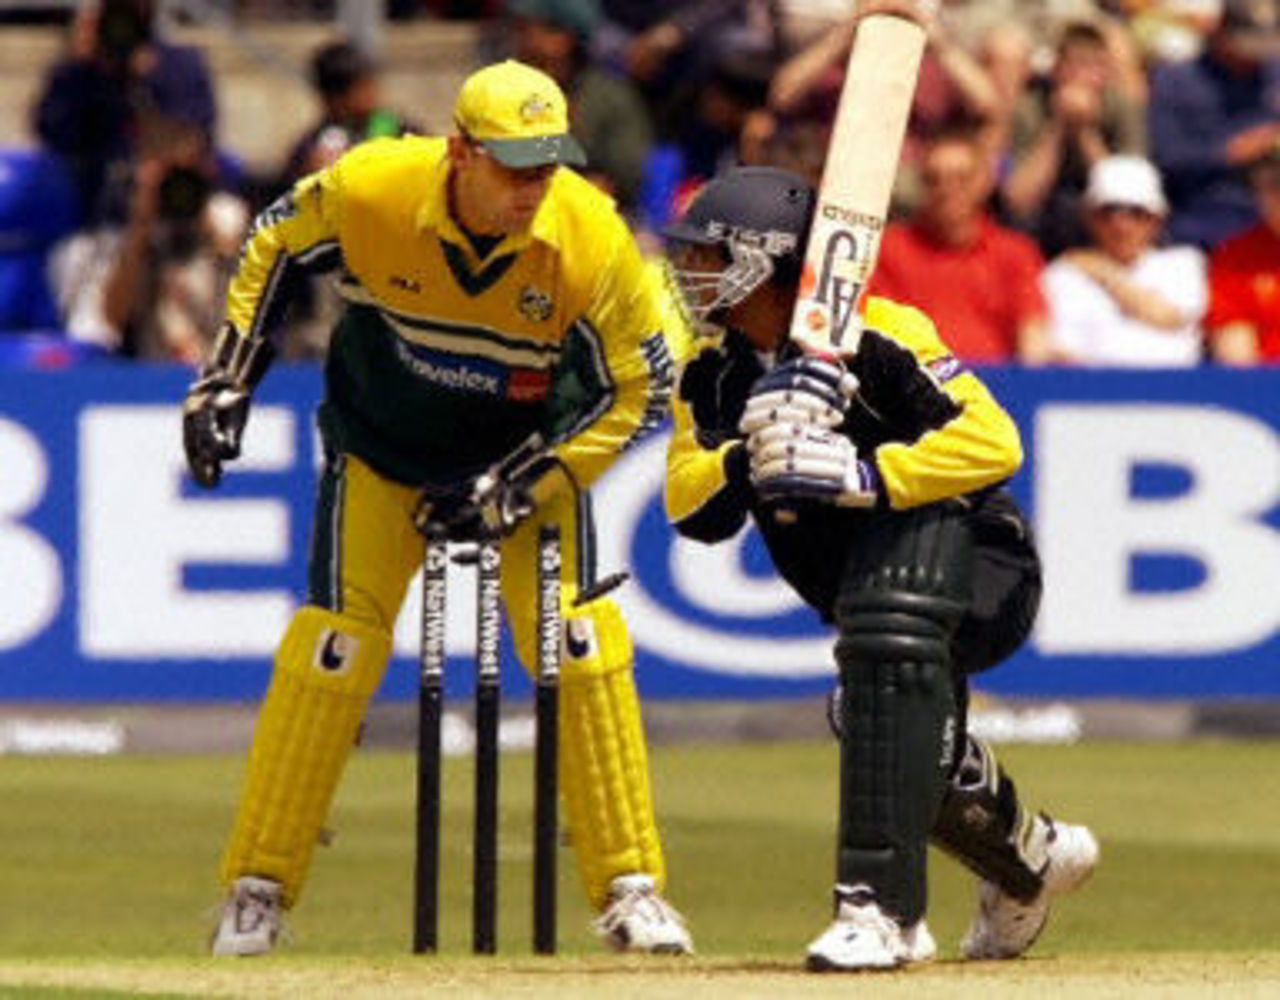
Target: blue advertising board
{"x":1154,"y":497}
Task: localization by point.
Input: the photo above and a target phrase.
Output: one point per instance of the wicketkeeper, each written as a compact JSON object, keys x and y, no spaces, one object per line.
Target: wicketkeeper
{"x":490,"y":293}
{"x":875,"y":480}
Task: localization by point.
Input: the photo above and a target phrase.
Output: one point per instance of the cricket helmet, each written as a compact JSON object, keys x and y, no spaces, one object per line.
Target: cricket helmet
{"x":759,"y":217}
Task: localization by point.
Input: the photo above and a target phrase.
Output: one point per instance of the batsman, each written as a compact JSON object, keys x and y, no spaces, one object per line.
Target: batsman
{"x":876,"y":480}
{"x":491,"y":294}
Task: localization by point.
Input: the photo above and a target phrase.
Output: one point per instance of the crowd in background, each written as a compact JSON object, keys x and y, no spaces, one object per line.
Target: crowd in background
{"x":1091,"y":182}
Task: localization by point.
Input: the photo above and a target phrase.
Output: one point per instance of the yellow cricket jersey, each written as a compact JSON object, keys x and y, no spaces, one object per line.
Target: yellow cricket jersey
{"x":929,"y":425}
{"x":444,"y":361}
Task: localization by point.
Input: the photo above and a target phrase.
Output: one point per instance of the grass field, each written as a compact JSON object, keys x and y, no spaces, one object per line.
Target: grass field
{"x":107,"y":880}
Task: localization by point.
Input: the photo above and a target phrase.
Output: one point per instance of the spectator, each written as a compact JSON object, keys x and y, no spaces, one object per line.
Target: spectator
{"x":648,"y":37}
{"x":977,"y":279}
{"x":1210,"y":118}
{"x":1038,"y":23}
{"x":460,"y":10}
{"x":953,"y":88}
{"x":1005,"y":52}
{"x":348,"y":85}
{"x":117,"y":71}
{"x":726,"y":115}
{"x":1075,"y":118}
{"x":37,"y":208}
{"x":1041,"y":19}
{"x":1175,"y":30}
{"x":670,"y":48}
{"x":1122,"y":301}
{"x":799,"y":147}
{"x":1244,"y":280}
{"x":609,"y":116}
{"x":153,"y":287}
{"x":803,"y":21}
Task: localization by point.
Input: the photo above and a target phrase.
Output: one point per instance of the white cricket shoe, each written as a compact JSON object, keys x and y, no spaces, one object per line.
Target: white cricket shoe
{"x":920,"y":944}
{"x":1003,"y":927}
{"x":636,"y":918}
{"x":252,"y":918}
{"x":863,"y":937}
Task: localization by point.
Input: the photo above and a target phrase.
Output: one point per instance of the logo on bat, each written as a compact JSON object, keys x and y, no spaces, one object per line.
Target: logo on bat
{"x":837,"y":287}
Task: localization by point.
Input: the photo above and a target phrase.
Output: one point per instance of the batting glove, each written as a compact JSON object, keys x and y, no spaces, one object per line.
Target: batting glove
{"x":806,"y":390}
{"x":213,"y":420}
{"x":806,"y":462}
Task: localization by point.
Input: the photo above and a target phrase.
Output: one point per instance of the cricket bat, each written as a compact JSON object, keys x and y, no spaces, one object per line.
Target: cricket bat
{"x":857,"y":182}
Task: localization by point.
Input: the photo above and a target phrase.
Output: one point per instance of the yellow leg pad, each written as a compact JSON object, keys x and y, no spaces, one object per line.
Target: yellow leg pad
{"x":603,"y":759}
{"x":326,"y":669}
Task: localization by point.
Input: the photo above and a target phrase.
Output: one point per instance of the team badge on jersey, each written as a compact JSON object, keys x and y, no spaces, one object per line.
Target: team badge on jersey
{"x":534,"y":305}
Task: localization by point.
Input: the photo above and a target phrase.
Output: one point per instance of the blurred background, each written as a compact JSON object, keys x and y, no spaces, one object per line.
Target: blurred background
{"x":1088,"y":205}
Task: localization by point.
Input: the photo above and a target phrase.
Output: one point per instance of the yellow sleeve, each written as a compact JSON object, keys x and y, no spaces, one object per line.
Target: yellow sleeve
{"x":706,"y":493}
{"x":967,"y":441}
{"x":626,"y":322}
{"x":296,"y":233}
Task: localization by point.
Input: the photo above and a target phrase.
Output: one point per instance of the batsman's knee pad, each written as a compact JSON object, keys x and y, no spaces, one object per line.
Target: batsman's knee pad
{"x":603,"y":757}
{"x":899,"y":603}
{"x":326,"y":669}
{"x":983,"y":826}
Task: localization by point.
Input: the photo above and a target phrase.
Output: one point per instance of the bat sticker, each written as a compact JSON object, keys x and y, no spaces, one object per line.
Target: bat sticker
{"x":835,"y":291}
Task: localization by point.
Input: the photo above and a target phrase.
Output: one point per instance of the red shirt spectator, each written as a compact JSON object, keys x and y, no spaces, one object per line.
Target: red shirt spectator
{"x":978,"y":280}
{"x":1244,"y":288}
{"x":1244,"y":279}
{"x":980,"y":294}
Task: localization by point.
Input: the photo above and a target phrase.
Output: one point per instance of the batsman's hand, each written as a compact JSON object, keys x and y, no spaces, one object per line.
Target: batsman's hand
{"x":791,"y":460}
{"x":804,"y":391}
{"x":922,"y":12}
{"x":213,"y":420}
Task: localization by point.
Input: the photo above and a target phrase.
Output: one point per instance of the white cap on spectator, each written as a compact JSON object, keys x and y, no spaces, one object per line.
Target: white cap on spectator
{"x":1126,"y":180}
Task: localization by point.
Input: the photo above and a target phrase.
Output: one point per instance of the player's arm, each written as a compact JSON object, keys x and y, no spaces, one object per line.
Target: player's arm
{"x":294,"y":236}
{"x":708,"y":490}
{"x":956,"y":437}
{"x":949,"y":436}
{"x":631,"y":359}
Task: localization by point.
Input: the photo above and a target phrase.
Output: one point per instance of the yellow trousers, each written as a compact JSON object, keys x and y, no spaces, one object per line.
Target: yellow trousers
{"x":364,"y":552}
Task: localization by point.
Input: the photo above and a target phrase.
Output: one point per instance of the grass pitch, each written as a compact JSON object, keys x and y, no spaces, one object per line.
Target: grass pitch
{"x":107,"y":877}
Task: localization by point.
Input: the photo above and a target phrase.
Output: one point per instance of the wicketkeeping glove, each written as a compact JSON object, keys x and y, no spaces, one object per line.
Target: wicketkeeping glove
{"x":213,"y":419}
{"x":502,"y":503}
{"x":806,"y":390}
{"x":800,"y":461}
{"x":495,"y":502}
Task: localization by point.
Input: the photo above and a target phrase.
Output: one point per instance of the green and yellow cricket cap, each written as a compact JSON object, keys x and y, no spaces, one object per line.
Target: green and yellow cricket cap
{"x":519,"y":115}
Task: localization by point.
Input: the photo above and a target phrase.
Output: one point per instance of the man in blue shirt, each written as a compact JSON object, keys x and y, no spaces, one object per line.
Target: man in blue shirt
{"x":1212,"y":117}
{"x":117,"y":75}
